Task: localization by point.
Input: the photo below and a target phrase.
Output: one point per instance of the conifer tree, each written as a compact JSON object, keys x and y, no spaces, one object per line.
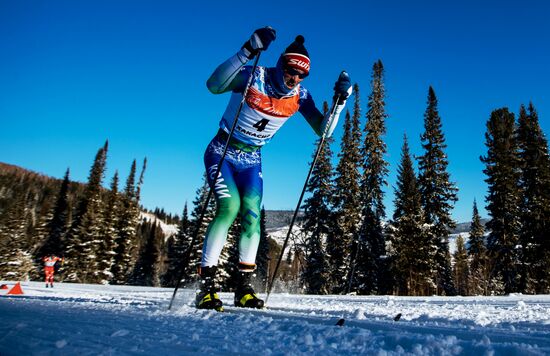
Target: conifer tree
{"x":105,"y":252}
{"x":84,"y":236}
{"x":175,"y":251}
{"x":317,"y":221}
{"x":57,"y":226}
{"x":461,"y":269}
{"x":169,"y":274}
{"x":477,"y":251}
{"x":126,"y":239}
{"x":369,"y":261}
{"x":502,"y":171}
{"x":411,"y":249}
{"x":346,"y":200}
{"x":263,"y":258}
{"x":15,"y":263}
{"x":146,"y":268}
{"x":534,"y":234}
{"x":140,"y":181}
{"x":438,"y":193}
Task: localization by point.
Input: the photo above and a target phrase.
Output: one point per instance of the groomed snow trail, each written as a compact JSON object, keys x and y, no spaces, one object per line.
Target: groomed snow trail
{"x":77,"y":319}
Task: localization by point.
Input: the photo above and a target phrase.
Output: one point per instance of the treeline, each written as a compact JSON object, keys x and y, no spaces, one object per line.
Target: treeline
{"x":167,"y":218}
{"x":103,"y":234}
{"x":349,"y":245}
{"x":346,"y":243}
{"x":99,"y":232}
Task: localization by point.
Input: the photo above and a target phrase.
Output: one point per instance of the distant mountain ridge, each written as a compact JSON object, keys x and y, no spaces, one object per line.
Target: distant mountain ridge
{"x":277,"y":219}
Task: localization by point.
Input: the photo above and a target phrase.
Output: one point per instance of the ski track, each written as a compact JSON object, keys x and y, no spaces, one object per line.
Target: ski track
{"x":81,"y":319}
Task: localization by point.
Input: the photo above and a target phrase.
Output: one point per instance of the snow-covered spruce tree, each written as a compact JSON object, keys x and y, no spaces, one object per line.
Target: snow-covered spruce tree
{"x":105,"y":252}
{"x":262,"y":259}
{"x":57,"y":225}
{"x":461,"y":269}
{"x":146,"y":268}
{"x":411,"y":248}
{"x":126,"y":237}
{"x":479,"y":264}
{"x":143,"y":232}
{"x":438,"y":193}
{"x":370,"y":267}
{"x":84,"y":235}
{"x":175,"y":251}
{"x":140,"y":181}
{"x":317,"y":221}
{"x":534,"y":236}
{"x":502,"y":170}
{"x":168,"y":275}
{"x":346,"y":201}
{"x":16,"y":263}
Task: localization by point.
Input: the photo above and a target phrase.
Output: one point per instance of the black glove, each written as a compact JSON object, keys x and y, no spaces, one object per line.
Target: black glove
{"x":259,"y":41}
{"x":342,"y":87}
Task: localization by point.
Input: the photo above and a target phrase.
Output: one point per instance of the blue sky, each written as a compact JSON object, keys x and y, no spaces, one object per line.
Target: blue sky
{"x":75,"y":73}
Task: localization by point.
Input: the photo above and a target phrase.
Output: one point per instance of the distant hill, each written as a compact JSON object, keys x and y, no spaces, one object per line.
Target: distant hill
{"x":10,"y":170}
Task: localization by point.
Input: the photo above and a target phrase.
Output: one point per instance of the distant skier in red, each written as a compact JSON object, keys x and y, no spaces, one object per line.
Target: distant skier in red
{"x":49,"y":268}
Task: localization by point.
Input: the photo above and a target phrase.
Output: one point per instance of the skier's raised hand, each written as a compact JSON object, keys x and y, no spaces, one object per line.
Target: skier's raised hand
{"x":342,"y":87}
{"x":342,"y":90}
{"x":259,"y":41}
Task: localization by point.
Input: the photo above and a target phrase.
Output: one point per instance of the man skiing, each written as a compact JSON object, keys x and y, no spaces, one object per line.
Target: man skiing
{"x":274,"y":95}
{"x":49,"y":268}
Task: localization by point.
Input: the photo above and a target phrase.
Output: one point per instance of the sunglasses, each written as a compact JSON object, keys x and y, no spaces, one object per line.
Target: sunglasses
{"x":293,"y":72}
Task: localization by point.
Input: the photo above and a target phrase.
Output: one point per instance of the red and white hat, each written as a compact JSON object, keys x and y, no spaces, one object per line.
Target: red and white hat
{"x":296,"y":55}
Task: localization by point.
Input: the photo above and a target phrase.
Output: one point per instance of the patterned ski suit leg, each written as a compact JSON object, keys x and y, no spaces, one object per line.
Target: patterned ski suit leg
{"x":238,"y":189}
{"x":49,"y":272}
{"x":251,"y":189}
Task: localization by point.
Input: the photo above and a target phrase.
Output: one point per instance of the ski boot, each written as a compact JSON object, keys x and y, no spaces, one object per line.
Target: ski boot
{"x":207,"y":298}
{"x":245,"y":297}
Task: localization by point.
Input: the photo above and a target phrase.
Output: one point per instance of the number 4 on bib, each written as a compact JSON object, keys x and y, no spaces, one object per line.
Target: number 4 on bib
{"x":260,"y":125}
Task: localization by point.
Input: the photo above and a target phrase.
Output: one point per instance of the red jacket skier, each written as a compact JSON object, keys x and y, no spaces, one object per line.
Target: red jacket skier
{"x":49,"y":268}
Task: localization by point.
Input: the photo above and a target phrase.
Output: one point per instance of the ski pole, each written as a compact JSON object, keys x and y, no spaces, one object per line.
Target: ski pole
{"x":187,"y":255}
{"x":319,"y":147}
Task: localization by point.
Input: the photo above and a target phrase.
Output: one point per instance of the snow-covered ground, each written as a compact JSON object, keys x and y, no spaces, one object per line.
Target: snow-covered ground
{"x":77,"y":319}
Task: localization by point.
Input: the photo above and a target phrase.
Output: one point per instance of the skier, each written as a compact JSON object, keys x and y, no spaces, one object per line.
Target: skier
{"x":274,"y":95}
{"x":49,"y":268}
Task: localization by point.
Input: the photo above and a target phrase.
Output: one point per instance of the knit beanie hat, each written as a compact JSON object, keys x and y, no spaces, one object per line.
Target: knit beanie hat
{"x":296,"y":55}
